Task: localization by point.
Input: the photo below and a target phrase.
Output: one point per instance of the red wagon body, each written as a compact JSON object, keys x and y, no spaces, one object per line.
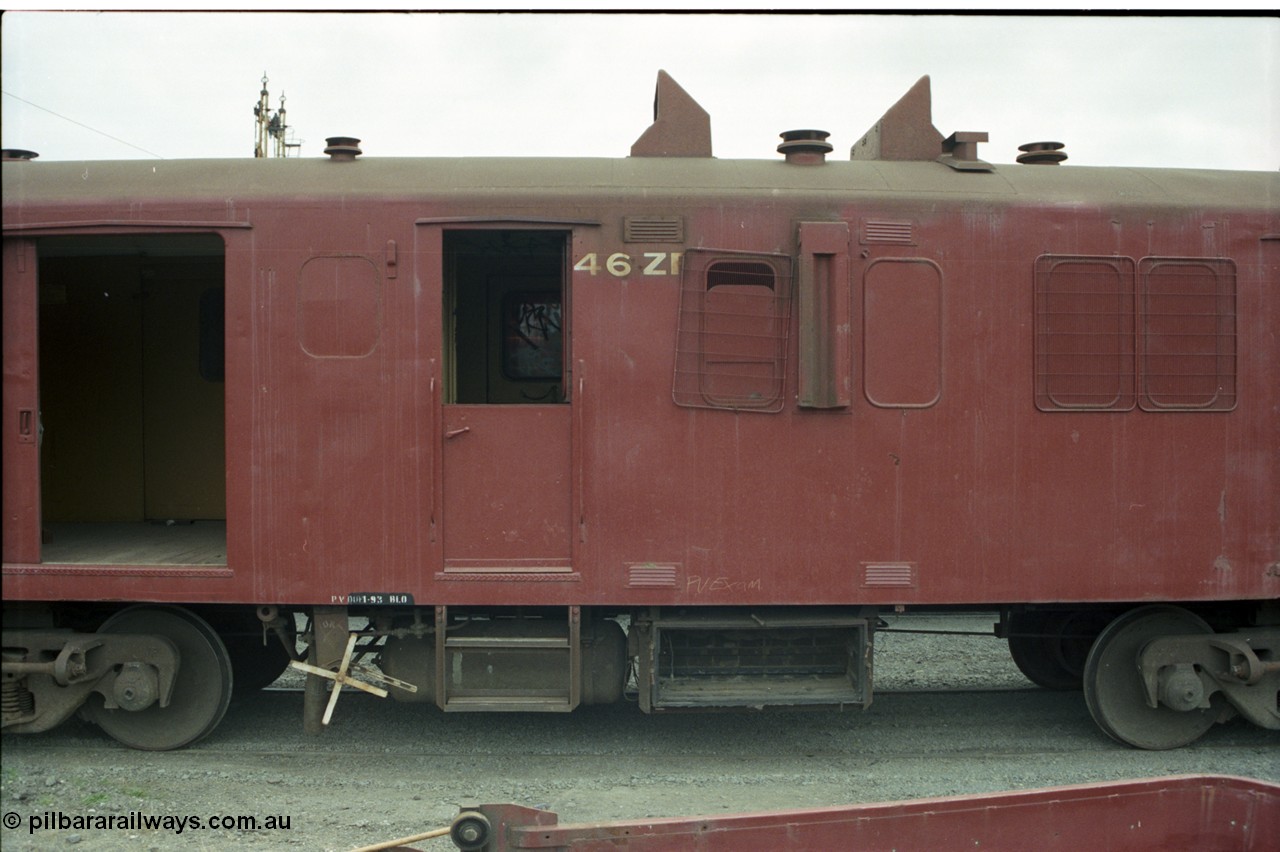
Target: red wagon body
{"x":714,"y":397}
{"x":1178,"y":812}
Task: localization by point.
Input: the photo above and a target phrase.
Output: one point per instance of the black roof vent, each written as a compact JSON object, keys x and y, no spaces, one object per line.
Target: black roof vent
{"x":1042,"y":153}
{"x":805,"y":147}
{"x":342,"y":147}
{"x":9,"y":155}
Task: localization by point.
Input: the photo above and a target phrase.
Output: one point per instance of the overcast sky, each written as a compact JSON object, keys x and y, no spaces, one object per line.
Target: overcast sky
{"x":1133,"y":91}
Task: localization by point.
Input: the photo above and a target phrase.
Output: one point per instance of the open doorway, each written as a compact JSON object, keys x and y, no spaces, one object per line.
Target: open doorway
{"x":131,"y":348}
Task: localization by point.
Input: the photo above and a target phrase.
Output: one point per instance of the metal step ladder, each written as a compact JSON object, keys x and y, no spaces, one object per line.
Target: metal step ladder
{"x":517,"y":664}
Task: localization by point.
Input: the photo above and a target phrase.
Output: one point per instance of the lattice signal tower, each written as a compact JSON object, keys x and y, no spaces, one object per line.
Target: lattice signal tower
{"x":272,"y":129}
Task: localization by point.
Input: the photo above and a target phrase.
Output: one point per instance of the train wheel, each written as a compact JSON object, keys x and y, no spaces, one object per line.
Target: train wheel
{"x":1050,"y":648}
{"x":201,"y":690}
{"x":1113,"y":687}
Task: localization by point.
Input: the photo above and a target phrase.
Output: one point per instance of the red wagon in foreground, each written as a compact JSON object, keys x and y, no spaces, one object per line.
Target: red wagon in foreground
{"x":529,"y":433}
{"x":1201,"y":812}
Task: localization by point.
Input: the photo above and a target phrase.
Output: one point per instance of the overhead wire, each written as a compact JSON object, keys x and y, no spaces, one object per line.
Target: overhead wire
{"x":85,"y":126}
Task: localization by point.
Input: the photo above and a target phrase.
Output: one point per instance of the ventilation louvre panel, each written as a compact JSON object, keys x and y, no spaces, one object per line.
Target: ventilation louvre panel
{"x":884,"y":231}
{"x":653,"y":229}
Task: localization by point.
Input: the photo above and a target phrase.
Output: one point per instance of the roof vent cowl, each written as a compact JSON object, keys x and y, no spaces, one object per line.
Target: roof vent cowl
{"x":1042,"y":153}
{"x":17,"y":155}
{"x":805,"y":147}
{"x":342,"y":148}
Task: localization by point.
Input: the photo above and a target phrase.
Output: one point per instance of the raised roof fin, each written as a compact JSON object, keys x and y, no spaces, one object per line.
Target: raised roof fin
{"x":905,"y":132}
{"x":681,"y":128}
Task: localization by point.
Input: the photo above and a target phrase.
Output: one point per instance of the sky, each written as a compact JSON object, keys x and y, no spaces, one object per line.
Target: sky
{"x":1144,"y":90}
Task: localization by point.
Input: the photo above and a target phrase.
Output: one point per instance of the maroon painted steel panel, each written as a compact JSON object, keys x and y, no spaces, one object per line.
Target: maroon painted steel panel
{"x":21,"y":429}
{"x":1177,"y":812}
{"x":506,"y":488}
{"x":336,"y":455}
{"x":340,"y":407}
{"x":902,"y":333}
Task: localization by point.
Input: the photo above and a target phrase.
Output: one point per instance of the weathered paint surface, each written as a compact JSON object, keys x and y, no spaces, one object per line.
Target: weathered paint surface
{"x":1203,"y":812}
{"x":930,"y":477}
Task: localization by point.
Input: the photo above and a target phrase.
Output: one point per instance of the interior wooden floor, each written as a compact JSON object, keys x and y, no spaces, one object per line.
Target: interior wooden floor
{"x":148,"y":543}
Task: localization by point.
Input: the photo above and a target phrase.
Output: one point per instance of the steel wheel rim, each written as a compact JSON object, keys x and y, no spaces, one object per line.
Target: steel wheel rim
{"x":1049,"y":660}
{"x":202,"y":688}
{"x":1113,"y":687}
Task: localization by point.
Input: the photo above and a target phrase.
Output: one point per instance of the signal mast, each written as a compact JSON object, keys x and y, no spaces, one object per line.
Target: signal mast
{"x":272,"y":128}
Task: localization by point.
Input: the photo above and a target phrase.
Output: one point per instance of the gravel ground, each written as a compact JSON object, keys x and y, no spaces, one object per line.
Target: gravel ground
{"x":385,"y":770}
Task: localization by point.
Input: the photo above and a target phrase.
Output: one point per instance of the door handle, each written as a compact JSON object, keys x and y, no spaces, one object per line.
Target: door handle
{"x":26,"y":426}
{"x":453,"y":433}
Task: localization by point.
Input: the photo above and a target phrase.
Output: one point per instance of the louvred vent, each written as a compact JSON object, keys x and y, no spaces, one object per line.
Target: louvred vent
{"x":879,"y":231}
{"x":653,"y":229}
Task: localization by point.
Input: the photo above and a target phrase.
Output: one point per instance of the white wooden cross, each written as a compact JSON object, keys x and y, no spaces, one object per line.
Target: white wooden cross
{"x":342,"y":677}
